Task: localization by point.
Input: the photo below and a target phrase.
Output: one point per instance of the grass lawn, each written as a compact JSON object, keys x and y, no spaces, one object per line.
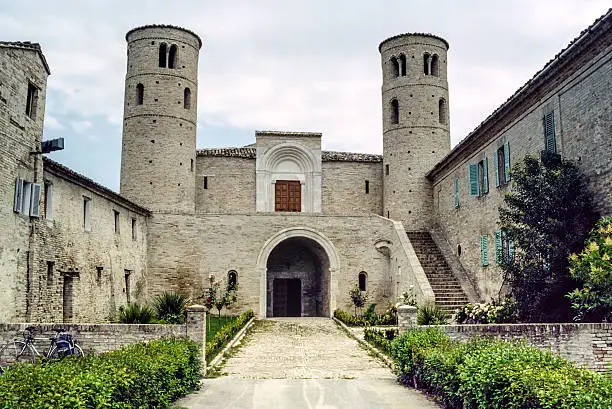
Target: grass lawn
{"x":214,"y":324}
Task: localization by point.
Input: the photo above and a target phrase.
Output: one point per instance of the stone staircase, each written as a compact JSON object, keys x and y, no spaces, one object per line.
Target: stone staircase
{"x":446,"y":287}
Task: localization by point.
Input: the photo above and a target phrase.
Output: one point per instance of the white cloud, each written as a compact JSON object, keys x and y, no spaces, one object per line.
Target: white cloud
{"x":53,"y":123}
{"x":81,"y":126}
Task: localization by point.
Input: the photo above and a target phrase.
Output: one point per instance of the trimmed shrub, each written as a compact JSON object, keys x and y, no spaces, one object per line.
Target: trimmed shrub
{"x":137,"y":376}
{"x":381,"y":339}
{"x":134,"y":313}
{"x":225,"y":335}
{"x":491,"y":373}
{"x":170,"y":307}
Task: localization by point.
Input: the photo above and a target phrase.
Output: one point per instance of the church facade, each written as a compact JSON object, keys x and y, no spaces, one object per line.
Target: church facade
{"x":295,"y":226}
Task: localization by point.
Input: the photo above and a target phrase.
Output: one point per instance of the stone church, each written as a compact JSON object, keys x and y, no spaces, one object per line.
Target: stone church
{"x":295,"y":226}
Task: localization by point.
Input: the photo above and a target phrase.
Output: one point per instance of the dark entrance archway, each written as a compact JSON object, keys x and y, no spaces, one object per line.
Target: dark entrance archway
{"x":297,"y":279}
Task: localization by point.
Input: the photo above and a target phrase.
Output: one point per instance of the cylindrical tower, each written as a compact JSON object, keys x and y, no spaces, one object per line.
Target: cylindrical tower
{"x":159,"y":118}
{"x":415,"y":124}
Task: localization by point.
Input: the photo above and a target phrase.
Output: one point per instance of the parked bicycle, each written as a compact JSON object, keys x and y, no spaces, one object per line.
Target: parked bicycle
{"x":61,"y":345}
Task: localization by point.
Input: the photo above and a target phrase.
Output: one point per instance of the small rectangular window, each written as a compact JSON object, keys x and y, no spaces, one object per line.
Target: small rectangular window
{"x":483,"y":177}
{"x":48,"y":201}
{"x":86,"y":213}
{"x":133,"y":229}
{"x":191,"y":167}
{"x":387,"y":170}
{"x":31,"y":101}
{"x":127,"y":285}
{"x":367,"y":187}
{"x":99,"y":271}
{"x":205,"y":182}
{"x":116,"y":218}
{"x":50,"y":268}
{"x":484,"y":250}
{"x":456,"y":187}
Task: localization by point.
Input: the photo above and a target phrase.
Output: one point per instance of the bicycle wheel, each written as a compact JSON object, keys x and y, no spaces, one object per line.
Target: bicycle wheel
{"x":22,"y":352}
{"x":78,"y":352}
{"x":5,"y":358}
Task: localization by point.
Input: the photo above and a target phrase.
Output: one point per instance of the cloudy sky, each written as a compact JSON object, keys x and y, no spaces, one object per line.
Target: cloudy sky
{"x":303,"y":65}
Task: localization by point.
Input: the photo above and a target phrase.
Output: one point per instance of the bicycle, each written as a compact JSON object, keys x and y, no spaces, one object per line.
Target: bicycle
{"x":62,"y":344}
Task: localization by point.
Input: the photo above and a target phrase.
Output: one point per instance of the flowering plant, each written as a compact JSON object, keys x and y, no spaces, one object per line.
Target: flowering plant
{"x":495,"y":312}
{"x":214,"y":297}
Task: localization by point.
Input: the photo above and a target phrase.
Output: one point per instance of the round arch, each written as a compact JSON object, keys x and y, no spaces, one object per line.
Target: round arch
{"x":298,"y":233}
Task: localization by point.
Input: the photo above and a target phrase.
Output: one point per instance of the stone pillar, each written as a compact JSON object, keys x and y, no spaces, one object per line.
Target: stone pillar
{"x":196,"y":329}
{"x":406,"y":317}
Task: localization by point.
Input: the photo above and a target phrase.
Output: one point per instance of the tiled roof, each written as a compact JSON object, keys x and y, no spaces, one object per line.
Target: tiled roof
{"x":69,"y":174}
{"x":414,"y":34}
{"x":326,"y":156}
{"x":164,"y":26}
{"x":287,"y":133}
{"x":548,"y":69}
{"x":26,"y":45}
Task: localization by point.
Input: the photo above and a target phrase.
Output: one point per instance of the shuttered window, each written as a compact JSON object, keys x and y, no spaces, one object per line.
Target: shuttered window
{"x":479,"y":178}
{"x":550,"y":143}
{"x":18,"y":195}
{"x":473,"y":176}
{"x":484,"y":250}
{"x":456,"y":193}
{"x":35,"y":200}
{"x":501,"y":165}
{"x":27,"y":198}
{"x":499,"y":249}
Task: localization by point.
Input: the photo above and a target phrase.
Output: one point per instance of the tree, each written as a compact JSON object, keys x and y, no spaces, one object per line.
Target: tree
{"x":593,"y":268}
{"x":215,"y":297}
{"x":546,"y":216}
{"x":358,"y":298}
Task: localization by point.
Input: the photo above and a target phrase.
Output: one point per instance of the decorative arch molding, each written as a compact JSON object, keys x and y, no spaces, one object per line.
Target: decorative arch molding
{"x":288,"y":161}
{"x":297,"y":232}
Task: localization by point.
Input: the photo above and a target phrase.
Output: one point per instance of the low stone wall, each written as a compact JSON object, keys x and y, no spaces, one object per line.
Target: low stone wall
{"x":98,"y":338}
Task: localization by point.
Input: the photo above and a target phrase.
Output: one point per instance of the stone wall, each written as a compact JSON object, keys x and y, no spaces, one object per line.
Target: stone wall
{"x":20,"y":134}
{"x":586,"y":344}
{"x":580,"y":96}
{"x":343,"y":187}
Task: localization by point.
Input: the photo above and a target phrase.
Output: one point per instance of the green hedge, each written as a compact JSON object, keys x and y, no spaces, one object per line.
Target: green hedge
{"x":490,"y":373}
{"x":365,"y":320}
{"x":381,"y":339}
{"x":225,"y":335}
{"x":137,"y":376}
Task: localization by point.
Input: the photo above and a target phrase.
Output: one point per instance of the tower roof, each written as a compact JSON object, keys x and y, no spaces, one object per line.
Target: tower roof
{"x":26,"y":45}
{"x":164,"y":26}
{"x":414,"y":34}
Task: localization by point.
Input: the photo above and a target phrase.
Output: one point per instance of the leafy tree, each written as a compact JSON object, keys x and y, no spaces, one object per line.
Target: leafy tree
{"x":593,"y":267}
{"x":547,"y":215}
{"x":358,"y":297}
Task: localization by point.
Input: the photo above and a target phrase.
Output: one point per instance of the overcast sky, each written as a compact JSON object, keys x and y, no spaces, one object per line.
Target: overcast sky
{"x":304,"y":65}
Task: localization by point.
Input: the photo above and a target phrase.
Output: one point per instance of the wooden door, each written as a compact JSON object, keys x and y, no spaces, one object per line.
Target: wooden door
{"x":288,"y":196}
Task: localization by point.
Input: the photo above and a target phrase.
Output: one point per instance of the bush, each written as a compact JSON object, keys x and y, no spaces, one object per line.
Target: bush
{"x":381,"y":339}
{"x":225,"y":335}
{"x":495,"y":312}
{"x":134,"y":313}
{"x":490,"y":373}
{"x":431,"y":315}
{"x":170,"y":307}
{"x":593,"y":267}
{"x":136,"y":376}
{"x":369,"y":318}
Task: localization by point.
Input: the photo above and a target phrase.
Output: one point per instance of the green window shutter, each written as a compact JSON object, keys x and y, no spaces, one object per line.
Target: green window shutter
{"x":499,"y":254}
{"x":507,"y":161}
{"x":510,"y":249}
{"x":456,"y":193}
{"x":496,"y":168}
{"x":484,"y":250}
{"x":550,"y":143}
{"x":473,"y":176}
{"x":485,"y":176}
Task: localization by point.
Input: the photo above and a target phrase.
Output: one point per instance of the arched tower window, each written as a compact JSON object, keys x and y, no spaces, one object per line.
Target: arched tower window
{"x":435,"y":70}
{"x":426,"y":63}
{"x":442,"y":111}
{"x":139,"y":94}
{"x":363,"y":280}
{"x":232,"y":280}
{"x":172,"y":56}
{"x":402,"y":65}
{"x":394,"y":111}
{"x":163,"y":53}
{"x":395,"y":68}
{"x":187,"y":99}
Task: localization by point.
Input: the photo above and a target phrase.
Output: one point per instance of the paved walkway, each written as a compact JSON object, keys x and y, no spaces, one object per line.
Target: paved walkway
{"x":308,"y":363}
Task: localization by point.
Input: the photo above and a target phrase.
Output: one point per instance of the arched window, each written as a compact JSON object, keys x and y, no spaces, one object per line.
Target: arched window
{"x":363,"y":278}
{"x":395,"y":68}
{"x":163,"y":53}
{"x":139,"y":94}
{"x":232,"y":280}
{"x":402,"y":63}
{"x":172,"y":56}
{"x":394,"y":111}
{"x":435,"y":66}
{"x":426,"y":63}
{"x":442,"y":111}
{"x":187,"y":99}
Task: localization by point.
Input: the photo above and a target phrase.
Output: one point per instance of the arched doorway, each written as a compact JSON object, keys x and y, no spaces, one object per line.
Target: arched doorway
{"x":297,"y":267}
